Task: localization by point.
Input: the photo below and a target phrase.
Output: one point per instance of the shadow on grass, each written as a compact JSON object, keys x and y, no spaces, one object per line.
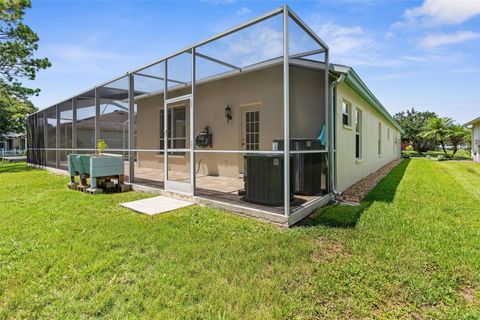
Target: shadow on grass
{"x":6,"y":167}
{"x":346,"y":216}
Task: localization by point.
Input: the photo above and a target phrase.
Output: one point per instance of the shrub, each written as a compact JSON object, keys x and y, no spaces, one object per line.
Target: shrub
{"x":408,"y":154}
{"x":409,"y":148}
{"x":101,"y":146}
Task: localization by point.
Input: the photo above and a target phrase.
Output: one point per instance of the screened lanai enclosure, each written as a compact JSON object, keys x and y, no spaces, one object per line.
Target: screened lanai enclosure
{"x":211,"y":121}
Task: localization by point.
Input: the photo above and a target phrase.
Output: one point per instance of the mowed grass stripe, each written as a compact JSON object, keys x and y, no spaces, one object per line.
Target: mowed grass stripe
{"x":410,"y":250}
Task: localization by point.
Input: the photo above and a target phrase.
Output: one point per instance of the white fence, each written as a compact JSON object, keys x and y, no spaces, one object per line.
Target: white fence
{"x":12,"y":153}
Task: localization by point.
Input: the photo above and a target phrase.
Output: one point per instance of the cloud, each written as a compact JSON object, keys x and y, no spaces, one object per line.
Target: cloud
{"x":243,"y":11}
{"x":220,"y":2}
{"x":85,"y":59}
{"x":441,"y":39}
{"x":334,"y":30}
{"x":258,"y":43}
{"x":79,"y":54}
{"x":389,"y":35}
{"x":395,"y":75}
{"x":355,"y":46}
{"x":351,"y":45}
{"x":434,"y":13}
{"x":343,"y":40}
{"x":429,"y":58}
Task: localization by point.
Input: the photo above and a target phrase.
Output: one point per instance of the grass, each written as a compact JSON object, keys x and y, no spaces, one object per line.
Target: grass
{"x":410,"y":250}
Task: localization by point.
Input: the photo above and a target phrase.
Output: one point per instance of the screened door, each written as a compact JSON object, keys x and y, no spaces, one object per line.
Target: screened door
{"x":176,"y":144}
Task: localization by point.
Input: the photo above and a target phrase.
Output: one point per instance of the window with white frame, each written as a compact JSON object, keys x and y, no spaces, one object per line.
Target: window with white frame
{"x":176,"y":128}
{"x":346,"y":112}
{"x":358,"y":133}
{"x":252,"y":130}
{"x":379,"y":138}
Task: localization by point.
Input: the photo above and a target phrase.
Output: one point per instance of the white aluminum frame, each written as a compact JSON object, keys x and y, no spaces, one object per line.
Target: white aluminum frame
{"x":286,"y":116}
{"x":286,"y":61}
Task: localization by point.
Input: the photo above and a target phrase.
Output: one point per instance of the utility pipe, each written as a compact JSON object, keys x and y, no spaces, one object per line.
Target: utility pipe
{"x":331,"y":160}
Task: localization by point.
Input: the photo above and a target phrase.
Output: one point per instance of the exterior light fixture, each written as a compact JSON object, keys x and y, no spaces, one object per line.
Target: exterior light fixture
{"x":228,"y":113}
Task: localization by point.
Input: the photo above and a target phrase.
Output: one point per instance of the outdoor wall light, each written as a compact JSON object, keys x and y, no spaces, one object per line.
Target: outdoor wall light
{"x":228,"y":113}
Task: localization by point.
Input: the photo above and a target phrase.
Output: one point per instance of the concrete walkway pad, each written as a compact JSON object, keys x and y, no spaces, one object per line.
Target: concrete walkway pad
{"x":156,"y":205}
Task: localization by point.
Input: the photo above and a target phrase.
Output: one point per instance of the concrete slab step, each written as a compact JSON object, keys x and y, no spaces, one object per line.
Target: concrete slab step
{"x":156,"y":205}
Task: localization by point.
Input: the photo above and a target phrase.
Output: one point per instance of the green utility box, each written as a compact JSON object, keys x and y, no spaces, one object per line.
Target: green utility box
{"x":96,"y":167}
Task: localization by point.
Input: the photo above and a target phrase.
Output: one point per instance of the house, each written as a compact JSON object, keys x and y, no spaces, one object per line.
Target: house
{"x":210,"y":122}
{"x":475,"y":126}
{"x":12,"y":144}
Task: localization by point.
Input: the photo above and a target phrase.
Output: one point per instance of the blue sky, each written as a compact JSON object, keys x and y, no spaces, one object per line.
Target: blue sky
{"x":422,"y":54}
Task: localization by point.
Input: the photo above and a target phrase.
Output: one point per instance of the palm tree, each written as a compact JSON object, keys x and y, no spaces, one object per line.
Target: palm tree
{"x":439,"y":129}
{"x":458,"y":135}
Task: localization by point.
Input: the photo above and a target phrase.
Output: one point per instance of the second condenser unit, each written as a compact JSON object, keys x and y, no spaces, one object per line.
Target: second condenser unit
{"x":307,"y":167}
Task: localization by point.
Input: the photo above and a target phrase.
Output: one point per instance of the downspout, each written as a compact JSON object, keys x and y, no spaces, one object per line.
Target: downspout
{"x":331,"y":158}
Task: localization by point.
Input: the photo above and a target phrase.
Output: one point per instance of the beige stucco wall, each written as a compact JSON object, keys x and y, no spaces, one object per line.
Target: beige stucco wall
{"x":262,"y":90}
{"x":476,"y":142}
{"x":348,"y":169}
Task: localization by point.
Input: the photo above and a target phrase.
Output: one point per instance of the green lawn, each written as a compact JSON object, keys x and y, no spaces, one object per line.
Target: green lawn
{"x":411,"y":250}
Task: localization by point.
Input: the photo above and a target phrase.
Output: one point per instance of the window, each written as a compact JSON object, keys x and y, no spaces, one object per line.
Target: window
{"x":379,"y":138}
{"x":346,"y":111}
{"x":388,"y":134}
{"x":176,"y":128}
{"x":252,"y":131}
{"x":358,"y":133}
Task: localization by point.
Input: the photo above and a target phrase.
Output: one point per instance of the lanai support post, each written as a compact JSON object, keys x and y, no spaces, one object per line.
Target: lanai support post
{"x":286,"y":115}
{"x":330,"y":120}
{"x":74,"y":125}
{"x":192,"y":126}
{"x":45,"y":138}
{"x":165,"y":123}
{"x":57,"y":137}
{"x":97,"y":117}
{"x":131,"y":128}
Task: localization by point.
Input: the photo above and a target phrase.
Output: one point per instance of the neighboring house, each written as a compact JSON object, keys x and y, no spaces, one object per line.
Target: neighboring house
{"x":12,"y":143}
{"x":475,"y":126}
{"x":114,"y":126}
{"x":222,"y":139}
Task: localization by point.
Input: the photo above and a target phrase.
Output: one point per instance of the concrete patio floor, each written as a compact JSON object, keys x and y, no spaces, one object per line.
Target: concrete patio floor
{"x":154,"y":176}
{"x":214,"y":188}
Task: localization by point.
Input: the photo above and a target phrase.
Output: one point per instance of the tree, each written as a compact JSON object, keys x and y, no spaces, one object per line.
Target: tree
{"x":458,"y":135}
{"x":18,"y":44}
{"x":412,"y":123}
{"x":438,"y":129}
{"x":12,"y":114}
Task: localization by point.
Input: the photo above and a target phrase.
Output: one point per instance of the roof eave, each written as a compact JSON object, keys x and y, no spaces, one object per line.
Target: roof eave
{"x":355,"y":83}
{"x":472,"y":122}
